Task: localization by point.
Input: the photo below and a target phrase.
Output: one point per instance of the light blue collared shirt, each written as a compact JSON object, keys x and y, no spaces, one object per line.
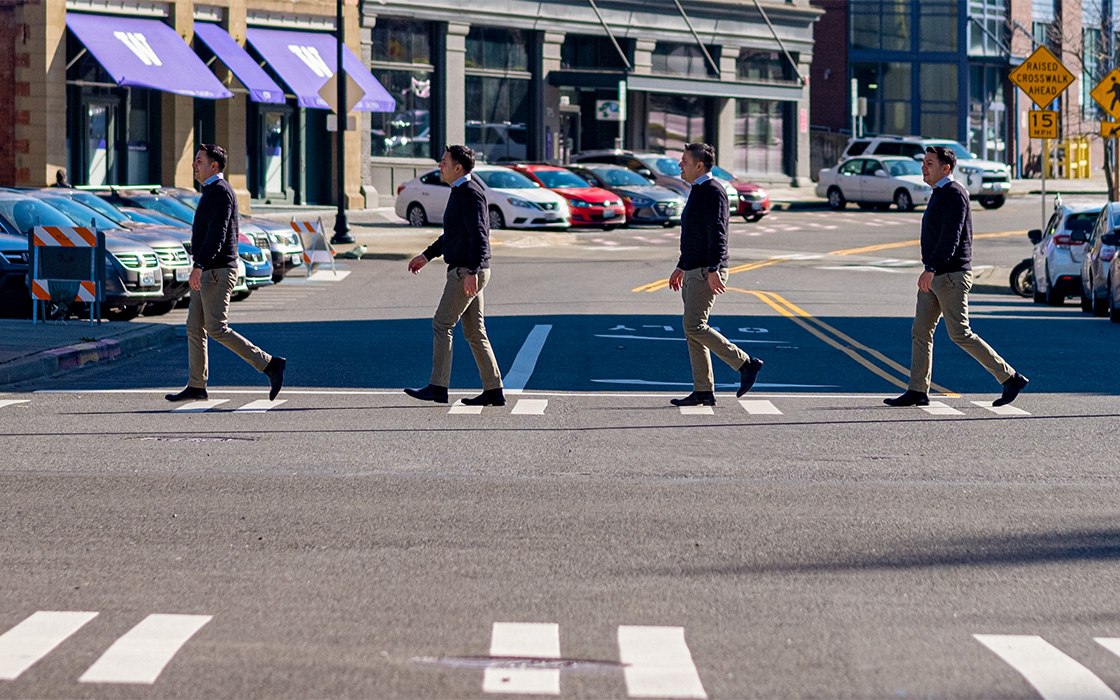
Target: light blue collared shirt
{"x":944,"y":181}
{"x":702,"y":179}
{"x":462,"y":181}
{"x":212,"y":179}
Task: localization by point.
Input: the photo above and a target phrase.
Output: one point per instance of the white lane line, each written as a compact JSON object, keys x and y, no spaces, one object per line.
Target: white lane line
{"x":529,"y":407}
{"x":12,"y":402}
{"x":538,"y":640}
{"x":35,"y":637}
{"x":199,"y":406}
{"x":259,"y":406}
{"x":328,"y":276}
{"x":143,"y":652}
{"x":759,"y":407}
{"x":526,"y":360}
{"x":1000,"y":410}
{"x":940,"y":408}
{"x":697,"y":411}
{"x":460,"y":407}
{"x":1110,"y":643}
{"x":658,"y":663}
{"x":1052,"y":673}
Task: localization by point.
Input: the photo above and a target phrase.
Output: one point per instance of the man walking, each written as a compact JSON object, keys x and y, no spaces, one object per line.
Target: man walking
{"x":702,"y":273}
{"x":944,"y":285}
{"x":465,"y":246}
{"x":214,"y":247}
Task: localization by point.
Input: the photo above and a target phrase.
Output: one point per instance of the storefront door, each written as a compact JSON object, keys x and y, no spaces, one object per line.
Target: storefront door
{"x":100,"y":143}
{"x":276,"y":152}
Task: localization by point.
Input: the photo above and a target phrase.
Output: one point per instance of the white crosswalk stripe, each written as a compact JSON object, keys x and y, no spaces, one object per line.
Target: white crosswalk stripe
{"x":23,"y":645}
{"x":460,"y":408}
{"x":13,"y":402}
{"x":760,"y":407}
{"x":697,"y":410}
{"x":939,"y":408}
{"x":259,"y":406}
{"x":524,"y":640}
{"x":1050,"y":671}
{"x":658,"y":663}
{"x":1000,"y":410}
{"x":144,"y":651}
{"x":529,"y":407}
{"x":199,"y":406}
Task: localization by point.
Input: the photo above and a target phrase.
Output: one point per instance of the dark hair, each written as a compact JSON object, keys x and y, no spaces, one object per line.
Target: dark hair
{"x":945,"y":155}
{"x":703,"y":153}
{"x":463,"y":155}
{"x":216,"y":154}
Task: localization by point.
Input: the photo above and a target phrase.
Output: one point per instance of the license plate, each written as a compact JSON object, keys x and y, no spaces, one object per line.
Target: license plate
{"x":550,"y":215}
{"x":294,"y":259}
{"x":147,"y":279}
{"x":182,"y":274}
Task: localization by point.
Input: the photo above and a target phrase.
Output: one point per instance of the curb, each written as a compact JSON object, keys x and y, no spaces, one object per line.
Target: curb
{"x":49,"y":363}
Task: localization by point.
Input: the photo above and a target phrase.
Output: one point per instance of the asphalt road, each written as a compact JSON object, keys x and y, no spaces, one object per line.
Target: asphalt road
{"x":810,"y":543}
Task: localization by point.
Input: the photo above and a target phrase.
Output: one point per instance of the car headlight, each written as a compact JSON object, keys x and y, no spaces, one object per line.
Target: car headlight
{"x":579,"y":203}
{"x":970,"y":170}
{"x":521,"y":203}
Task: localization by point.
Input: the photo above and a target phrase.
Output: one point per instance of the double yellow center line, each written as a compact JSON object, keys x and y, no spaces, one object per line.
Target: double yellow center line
{"x":664,"y":284}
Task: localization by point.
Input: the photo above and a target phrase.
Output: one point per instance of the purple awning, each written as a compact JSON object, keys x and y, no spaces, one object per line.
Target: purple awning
{"x":145,"y":53}
{"x":261,"y":87}
{"x":306,"y":60}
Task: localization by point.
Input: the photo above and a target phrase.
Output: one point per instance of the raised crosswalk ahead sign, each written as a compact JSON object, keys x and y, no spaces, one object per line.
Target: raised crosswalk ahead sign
{"x":1042,"y":76}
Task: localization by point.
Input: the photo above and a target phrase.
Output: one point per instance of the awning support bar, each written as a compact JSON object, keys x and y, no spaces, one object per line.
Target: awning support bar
{"x":610,"y":34}
{"x":76,"y":58}
{"x":711,"y":62}
{"x":792,"y":63}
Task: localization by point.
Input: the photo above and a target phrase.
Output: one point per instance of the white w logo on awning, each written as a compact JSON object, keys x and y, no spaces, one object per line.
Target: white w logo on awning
{"x":310,"y":56}
{"x":138,"y":44}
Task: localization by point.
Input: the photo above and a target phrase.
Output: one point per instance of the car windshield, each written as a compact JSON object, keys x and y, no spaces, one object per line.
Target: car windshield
{"x":620,"y":177}
{"x":904,"y":167}
{"x":666,"y":166}
{"x":722,"y":174}
{"x":147,"y":216}
{"x":27,"y":213}
{"x":79,"y":213}
{"x":557,"y":179}
{"x":100,"y":206}
{"x":166,"y":205}
{"x":188,"y":198}
{"x":505,"y":180}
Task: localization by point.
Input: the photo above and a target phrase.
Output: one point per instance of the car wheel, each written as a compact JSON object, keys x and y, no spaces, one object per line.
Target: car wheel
{"x":753,"y":219}
{"x":497,"y":221}
{"x":1053,"y":296}
{"x":417,"y":216}
{"x":1086,"y":302}
{"x":122,"y":313}
{"x":1022,"y":279}
{"x":1100,"y":306}
{"x":668,"y":224}
{"x":903,"y":201}
{"x":836,"y":199}
{"x":159,"y":308}
{"x":241,"y":296}
{"x":992,"y":201}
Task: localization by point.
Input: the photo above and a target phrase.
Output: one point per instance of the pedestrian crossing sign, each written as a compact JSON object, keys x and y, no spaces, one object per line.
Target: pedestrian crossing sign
{"x":1107,"y":95}
{"x":1042,"y":76}
{"x":1110,"y":130}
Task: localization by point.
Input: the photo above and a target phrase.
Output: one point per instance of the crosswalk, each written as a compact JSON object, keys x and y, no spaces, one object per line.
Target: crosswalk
{"x":1051,"y":672}
{"x":138,"y":657}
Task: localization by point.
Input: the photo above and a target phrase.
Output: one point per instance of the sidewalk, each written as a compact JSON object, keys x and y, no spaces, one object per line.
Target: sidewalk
{"x":29,"y":352}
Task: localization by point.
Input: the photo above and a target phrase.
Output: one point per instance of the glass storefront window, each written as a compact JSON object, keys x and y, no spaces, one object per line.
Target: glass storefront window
{"x":988,"y":27}
{"x":881,"y":24}
{"x":497,"y":111}
{"x":401,"y":61}
{"x":938,"y":26}
{"x":670,"y":58}
{"x":759,"y":137}
{"x":592,"y":53}
{"x":762,"y":65}
{"x":674,"y":121}
{"x":496,"y":48}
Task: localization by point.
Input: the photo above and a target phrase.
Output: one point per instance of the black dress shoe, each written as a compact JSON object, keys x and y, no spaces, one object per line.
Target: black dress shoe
{"x":490,"y":397}
{"x":429,"y":393}
{"x":189,"y":394}
{"x":275,"y":373}
{"x":1011,"y":389}
{"x":910,"y":398}
{"x":696,"y":398}
{"x":747,"y":374}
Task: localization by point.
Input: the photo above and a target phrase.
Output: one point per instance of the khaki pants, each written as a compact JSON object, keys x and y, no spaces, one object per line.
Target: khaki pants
{"x":698,"y":300}
{"x":948,"y":297}
{"x":455,"y":305}
{"x":208,"y":316}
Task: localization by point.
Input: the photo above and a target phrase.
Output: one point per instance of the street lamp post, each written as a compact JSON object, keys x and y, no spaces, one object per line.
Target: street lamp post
{"x":341,"y":225}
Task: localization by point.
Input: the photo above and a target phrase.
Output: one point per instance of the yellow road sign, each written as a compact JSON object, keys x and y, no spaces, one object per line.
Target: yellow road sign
{"x":354,"y":93}
{"x":1042,"y":124}
{"x":1110,"y":129}
{"x":1107,"y":93}
{"x":1042,"y":76}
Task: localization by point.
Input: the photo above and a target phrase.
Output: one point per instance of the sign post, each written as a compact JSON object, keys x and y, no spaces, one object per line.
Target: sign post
{"x":1042,"y":77}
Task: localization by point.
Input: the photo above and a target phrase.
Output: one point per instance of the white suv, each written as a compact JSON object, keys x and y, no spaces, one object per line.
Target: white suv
{"x":986,"y":180}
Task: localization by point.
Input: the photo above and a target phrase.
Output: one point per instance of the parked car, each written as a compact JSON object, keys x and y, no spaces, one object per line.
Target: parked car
{"x":132,"y":271}
{"x":752,"y":202}
{"x":15,"y":297}
{"x":258,"y":266}
{"x":1100,"y":249}
{"x":174,"y":262}
{"x":1059,"y":250}
{"x":590,"y":205}
{"x":645,"y":202}
{"x":875,"y":182}
{"x":986,"y":180}
{"x":513,"y":200}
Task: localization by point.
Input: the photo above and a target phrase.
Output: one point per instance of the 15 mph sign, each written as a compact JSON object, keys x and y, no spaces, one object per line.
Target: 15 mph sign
{"x":1042,"y":76}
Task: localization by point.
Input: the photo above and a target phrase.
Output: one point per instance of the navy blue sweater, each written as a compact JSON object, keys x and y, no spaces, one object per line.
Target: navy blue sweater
{"x":704,"y":227}
{"x":466,"y":229}
{"x":214,"y":230}
{"x":947,"y":230}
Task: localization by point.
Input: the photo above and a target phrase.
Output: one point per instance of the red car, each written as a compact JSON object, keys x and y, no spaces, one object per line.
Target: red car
{"x":754,"y":203}
{"x":591,"y":206}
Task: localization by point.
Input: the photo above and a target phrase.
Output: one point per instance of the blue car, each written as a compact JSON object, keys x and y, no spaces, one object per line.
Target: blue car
{"x":258,"y":266}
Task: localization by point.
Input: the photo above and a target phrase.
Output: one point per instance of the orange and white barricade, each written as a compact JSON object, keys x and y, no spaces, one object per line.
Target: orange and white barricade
{"x":62,"y":257}
{"x":317,"y":250}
